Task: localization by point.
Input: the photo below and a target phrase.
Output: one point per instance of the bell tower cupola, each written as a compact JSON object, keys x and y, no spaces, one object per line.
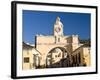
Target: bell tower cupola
{"x":58,"y":27}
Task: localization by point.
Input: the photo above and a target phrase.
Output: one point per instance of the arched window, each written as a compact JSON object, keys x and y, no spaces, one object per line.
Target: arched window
{"x":79,"y":57}
{"x":58,"y":39}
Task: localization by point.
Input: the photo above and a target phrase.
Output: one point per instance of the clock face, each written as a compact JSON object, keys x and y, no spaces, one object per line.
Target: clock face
{"x":58,"y":29}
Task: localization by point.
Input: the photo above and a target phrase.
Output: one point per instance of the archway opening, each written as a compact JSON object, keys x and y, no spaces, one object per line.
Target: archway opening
{"x":57,"y":57}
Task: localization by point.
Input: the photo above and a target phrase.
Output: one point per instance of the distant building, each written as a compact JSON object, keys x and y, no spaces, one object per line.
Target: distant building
{"x":31,"y":57}
{"x":56,"y":51}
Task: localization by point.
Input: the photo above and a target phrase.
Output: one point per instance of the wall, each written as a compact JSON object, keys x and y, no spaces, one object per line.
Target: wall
{"x":27,"y":54}
{"x":46,"y":43}
{"x":87,"y":55}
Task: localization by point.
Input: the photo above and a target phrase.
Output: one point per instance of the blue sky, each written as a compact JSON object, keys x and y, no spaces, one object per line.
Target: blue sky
{"x":41,"y":22}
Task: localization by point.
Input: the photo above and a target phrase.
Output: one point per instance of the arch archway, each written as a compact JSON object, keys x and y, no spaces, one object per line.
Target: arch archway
{"x":58,"y":57}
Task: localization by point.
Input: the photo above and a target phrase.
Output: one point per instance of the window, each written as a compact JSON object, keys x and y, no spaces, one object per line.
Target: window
{"x":26,"y":60}
{"x":73,"y":60}
{"x":58,"y":39}
{"x":79,"y":57}
{"x":55,"y":55}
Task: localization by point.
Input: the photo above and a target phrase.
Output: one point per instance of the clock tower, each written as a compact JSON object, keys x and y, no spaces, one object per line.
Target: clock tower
{"x":58,"y":27}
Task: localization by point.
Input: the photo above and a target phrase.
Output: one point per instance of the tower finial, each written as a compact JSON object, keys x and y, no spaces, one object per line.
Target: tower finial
{"x":58,"y":18}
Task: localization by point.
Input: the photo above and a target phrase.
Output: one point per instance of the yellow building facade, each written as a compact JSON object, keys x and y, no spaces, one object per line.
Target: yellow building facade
{"x":57,"y":50}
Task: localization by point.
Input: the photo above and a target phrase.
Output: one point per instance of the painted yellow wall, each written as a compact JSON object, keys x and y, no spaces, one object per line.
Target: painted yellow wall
{"x":87,"y":56}
{"x":27,"y":53}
